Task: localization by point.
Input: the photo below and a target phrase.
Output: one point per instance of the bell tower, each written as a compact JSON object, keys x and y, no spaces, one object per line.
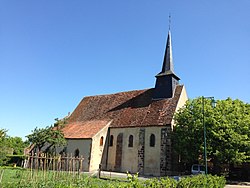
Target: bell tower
{"x":166,"y":80}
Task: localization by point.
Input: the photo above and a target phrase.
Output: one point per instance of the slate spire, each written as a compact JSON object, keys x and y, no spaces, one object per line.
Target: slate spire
{"x":168,"y":58}
{"x":167,"y":66}
{"x":166,"y":80}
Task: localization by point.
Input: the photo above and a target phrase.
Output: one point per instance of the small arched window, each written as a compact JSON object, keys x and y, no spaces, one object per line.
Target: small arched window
{"x":130,"y":141}
{"x":101,"y":141}
{"x":77,"y":152}
{"x":152,"y":140}
{"x":111,"y":140}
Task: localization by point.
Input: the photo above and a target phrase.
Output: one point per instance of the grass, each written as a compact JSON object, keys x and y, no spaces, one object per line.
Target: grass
{"x":25,"y":178}
{"x":15,"y":177}
{"x":10,"y":174}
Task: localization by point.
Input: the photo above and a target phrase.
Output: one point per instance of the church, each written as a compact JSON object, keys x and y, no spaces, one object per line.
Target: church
{"x":131,"y":130}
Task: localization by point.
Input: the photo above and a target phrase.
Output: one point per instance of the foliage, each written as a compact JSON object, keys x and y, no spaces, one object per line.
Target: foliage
{"x":60,"y":123}
{"x":3,"y":146}
{"x":49,"y":136}
{"x":198,"y":181}
{"x":10,"y":145}
{"x":231,"y":132}
{"x":17,"y":144}
{"x":15,"y":159}
{"x":227,"y":128}
{"x":2,"y":134}
{"x":162,"y":182}
{"x":133,"y":180}
{"x":24,"y":178}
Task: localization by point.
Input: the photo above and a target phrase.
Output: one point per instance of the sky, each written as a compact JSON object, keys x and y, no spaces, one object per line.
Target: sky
{"x":55,"y":52}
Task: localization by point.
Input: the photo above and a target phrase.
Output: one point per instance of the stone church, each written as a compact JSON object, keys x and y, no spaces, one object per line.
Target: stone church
{"x":129,"y":131}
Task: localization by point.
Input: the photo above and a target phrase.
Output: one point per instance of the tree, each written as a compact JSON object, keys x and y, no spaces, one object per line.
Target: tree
{"x":227,"y":128}
{"x":3,"y":146}
{"x":49,"y":137}
{"x":17,"y":144}
{"x":10,"y":145}
{"x":2,"y":134}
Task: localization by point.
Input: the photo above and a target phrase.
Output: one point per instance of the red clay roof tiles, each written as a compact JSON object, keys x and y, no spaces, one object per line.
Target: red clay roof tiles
{"x":85,"y":129}
{"x":125,"y":109}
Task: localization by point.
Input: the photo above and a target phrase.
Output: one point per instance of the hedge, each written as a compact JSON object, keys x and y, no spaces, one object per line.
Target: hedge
{"x":207,"y":181}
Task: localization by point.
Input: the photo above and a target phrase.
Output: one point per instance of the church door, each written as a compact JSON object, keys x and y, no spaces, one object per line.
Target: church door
{"x":118,"y":157}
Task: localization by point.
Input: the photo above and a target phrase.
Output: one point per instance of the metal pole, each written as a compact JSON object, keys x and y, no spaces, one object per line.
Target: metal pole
{"x":204,"y":131}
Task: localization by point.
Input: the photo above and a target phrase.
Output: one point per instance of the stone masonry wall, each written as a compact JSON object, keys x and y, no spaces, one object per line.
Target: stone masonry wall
{"x":141,"y":151}
{"x":165,"y":163}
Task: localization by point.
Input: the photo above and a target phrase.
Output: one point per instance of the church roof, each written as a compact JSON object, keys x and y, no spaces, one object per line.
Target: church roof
{"x":125,"y":109}
{"x":83,"y":129}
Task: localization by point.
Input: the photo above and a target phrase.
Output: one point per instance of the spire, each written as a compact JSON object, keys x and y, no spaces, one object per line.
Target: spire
{"x":168,"y":66}
{"x":166,"y":80}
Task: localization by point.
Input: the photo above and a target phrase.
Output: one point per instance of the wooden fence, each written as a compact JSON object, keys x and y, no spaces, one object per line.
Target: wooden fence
{"x":55,"y":163}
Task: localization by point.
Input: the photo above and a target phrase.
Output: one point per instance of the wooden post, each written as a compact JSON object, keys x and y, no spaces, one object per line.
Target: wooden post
{"x":81,"y":161}
{"x":1,"y":176}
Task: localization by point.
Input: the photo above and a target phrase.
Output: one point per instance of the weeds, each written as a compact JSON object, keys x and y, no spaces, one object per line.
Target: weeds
{"x":22,"y":178}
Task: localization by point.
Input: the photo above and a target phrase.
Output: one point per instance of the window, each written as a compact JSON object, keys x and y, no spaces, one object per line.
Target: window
{"x":111,"y":140}
{"x":101,"y":141}
{"x":77,"y":152}
{"x":152,"y":140}
{"x":130,"y":141}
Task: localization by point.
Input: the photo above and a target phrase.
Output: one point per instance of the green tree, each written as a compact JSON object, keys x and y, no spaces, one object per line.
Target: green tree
{"x":228,"y":132}
{"x":2,"y":134}
{"x":3,"y":146}
{"x":10,"y":145}
{"x":17,"y":144}
{"x":49,"y":137}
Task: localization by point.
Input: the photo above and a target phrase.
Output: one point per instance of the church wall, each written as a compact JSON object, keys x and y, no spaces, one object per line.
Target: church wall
{"x":152,"y":154}
{"x":129,"y":157}
{"x":84,"y":147}
{"x":182,"y":100}
{"x":98,"y":147}
{"x":141,"y":157}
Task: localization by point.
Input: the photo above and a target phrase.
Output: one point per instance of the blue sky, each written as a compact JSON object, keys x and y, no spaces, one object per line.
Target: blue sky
{"x":55,"y":52}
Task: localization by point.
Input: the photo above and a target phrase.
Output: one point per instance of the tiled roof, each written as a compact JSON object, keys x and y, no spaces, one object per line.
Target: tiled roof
{"x":86,"y":129}
{"x":125,"y":109}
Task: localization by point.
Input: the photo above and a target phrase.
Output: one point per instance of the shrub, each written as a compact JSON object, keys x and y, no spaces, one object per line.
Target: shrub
{"x":162,"y":182}
{"x":198,"y":181}
{"x":15,"y":159}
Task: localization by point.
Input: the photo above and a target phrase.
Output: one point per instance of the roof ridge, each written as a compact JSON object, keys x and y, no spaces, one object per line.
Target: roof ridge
{"x":122,"y":92}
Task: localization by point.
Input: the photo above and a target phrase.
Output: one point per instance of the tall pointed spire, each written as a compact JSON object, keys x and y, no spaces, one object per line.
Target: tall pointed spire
{"x":166,"y":80}
{"x":168,"y":66}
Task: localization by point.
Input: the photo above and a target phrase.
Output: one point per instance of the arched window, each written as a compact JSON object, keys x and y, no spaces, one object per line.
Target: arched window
{"x":101,"y":141}
{"x":77,"y":153}
{"x":111,"y":140}
{"x":152,"y":140}
{"x":130,"y":141}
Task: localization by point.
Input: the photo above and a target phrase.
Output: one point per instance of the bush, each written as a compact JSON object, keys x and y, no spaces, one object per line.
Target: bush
{"x":15,"y":159}
{"x":208,"y":181}
{"x":162,"y":182}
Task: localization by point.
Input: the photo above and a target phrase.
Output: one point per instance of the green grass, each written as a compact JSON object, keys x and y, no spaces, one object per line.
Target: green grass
{"x":24,"y":178}
{"x":10,"y":174}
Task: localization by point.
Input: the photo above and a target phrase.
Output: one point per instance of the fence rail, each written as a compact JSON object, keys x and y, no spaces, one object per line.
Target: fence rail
{"x":55,"y":163}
